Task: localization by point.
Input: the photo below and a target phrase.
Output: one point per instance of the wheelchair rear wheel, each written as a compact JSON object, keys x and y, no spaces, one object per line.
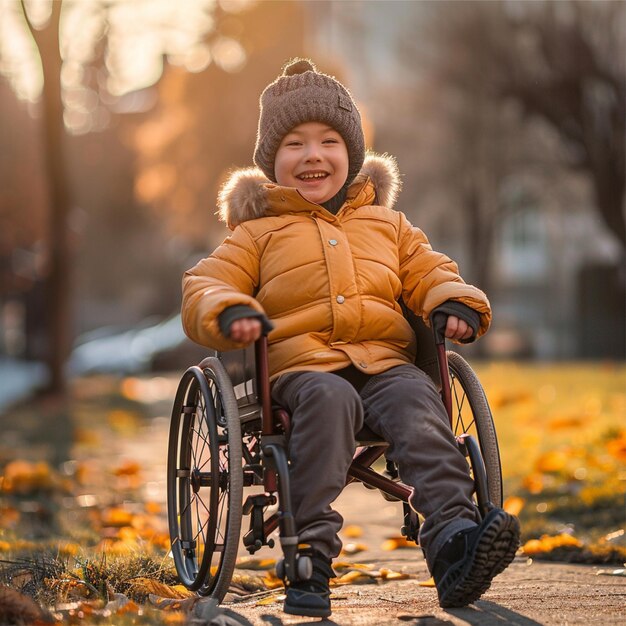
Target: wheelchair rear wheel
{"x":205,"y":479}
{"x":471,"y":415}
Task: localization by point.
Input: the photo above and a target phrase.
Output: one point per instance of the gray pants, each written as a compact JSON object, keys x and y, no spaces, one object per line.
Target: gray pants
{"x":401,"y":405}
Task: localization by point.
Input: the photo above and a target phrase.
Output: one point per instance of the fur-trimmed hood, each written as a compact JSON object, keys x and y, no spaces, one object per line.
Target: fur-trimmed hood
{"x":245,"y":194}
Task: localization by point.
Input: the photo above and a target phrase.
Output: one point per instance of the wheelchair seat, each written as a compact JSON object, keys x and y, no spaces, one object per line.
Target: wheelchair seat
{"x":367,"y":437}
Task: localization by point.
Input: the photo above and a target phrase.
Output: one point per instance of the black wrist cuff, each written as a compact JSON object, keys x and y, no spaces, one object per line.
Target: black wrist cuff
{"x":238,"y":312}
{"x":462,"y":311}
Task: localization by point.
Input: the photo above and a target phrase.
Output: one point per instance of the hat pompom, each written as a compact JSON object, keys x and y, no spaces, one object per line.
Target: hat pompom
{"x":298,"y":66}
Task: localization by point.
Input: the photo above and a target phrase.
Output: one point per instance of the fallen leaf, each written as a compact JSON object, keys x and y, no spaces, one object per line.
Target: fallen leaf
{"x":533,"y":483}
{"x":154,"y":587}
{"x":172,"y":604}
{"x":354,"y":577}
{"x":547,"y":543}
{"x":128,"y":468}
{"x":339,"y":566}
{"x":129,"y":607}
{"x":352,"y":531}
{"x":23,"y":477}
{"x":246,"y":583}
{"x":551,"y":462}
{"x":353,"y":548}
{"x":513,"y":505}
{"x":397,"y":542}
{"x":271,"y":581}
{"x":388,"y":574}
{"x":563,"y":423}
{"x":116,"y":516}
{"x":427,"y":583}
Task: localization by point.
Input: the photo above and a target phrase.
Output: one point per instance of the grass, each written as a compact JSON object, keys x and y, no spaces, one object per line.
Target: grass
{"x":562,"y":434}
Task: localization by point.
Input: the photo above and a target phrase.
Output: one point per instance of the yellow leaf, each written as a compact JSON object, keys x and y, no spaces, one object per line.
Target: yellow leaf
{"x":271,"y":581}
{"x":354,"y":577}
{"x":248,"y":583}
{"x":151,"y":586}
{"x":388,"y":574}
{"x":396,"y":543}
{"x":547,"y":543}
{"x":23,"y":477}
{"x":352,"y":531}
{"x":617,"y":447}
{"x":124,"y":422}
{"x":427,"y":583}
{"x":513,"y":505}
{"x":563,"y":423}
{"x":128,"y":468}
{"x":153,"y":508}
{"x":129,"y":607}
{"x":116,"y":516}
{"x":172,"y":604}
{"x":353,"y":548}
{"x":533,"y":483}
{"x":339,"y":566}
{"x":552,"y":461}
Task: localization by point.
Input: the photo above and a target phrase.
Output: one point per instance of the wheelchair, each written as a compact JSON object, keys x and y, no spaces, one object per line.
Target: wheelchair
{"x":225,"y":436}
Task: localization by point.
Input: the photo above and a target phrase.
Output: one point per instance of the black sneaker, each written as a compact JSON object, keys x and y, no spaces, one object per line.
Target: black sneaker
{"x":467,"y":563}
{"x":311,"y":598}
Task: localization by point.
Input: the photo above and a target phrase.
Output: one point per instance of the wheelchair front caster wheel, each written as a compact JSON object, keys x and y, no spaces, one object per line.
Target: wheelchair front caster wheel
{"x":304,"y":568}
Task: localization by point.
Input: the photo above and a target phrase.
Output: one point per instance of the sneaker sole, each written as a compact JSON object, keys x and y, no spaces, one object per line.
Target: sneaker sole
{"x":304,"y":612}
{"x":493,"y":553}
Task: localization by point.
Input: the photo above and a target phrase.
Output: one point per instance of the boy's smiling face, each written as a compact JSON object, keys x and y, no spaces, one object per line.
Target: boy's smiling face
{"x":313,"y":158}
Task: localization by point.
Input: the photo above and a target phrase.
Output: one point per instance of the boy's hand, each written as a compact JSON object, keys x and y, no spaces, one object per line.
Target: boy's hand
{"x":457,"y":329}
{"x":245,"y":330}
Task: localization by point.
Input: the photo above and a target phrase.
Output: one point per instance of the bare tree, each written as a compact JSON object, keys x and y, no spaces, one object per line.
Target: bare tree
{"x":569,"y":63}
{"x":58,"y":309}
{"x":561,"y":62}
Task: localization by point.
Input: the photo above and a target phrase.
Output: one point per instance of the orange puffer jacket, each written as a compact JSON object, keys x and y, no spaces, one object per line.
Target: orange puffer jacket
{"x":329,"y":283}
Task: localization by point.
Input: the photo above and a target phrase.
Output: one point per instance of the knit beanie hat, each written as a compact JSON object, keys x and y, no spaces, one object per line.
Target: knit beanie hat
{"x":302,"y":94}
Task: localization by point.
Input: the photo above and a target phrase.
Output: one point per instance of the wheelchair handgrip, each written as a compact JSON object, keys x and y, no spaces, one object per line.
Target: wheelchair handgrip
{"x":438,"y":322}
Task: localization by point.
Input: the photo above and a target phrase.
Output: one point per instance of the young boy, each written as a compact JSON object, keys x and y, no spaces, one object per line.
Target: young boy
{"x":318,"y":249}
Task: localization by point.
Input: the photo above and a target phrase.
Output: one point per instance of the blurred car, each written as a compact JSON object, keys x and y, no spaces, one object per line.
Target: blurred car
{"x":154,"y":347}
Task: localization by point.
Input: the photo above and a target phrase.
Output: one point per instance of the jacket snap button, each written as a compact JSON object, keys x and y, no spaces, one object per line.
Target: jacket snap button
{"x":341,"y":299}
{"x":332,"y":242}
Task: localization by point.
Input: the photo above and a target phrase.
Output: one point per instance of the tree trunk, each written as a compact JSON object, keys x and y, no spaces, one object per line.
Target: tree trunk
{"x":58,"y":278}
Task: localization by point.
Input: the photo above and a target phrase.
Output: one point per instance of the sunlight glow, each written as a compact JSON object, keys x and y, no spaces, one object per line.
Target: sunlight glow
{"x":229,"y":54}
{"x":113,"y":48}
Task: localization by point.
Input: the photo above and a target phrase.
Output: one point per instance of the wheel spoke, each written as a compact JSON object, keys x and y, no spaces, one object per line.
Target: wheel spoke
{"x":458,"y":414}
{"x":200,"y":526}
{"x":460,"y":405}
{"x":203,"y":422}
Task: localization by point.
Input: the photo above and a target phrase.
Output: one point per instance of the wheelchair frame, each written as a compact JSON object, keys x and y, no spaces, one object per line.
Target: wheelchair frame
{"x":208,"y":415}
